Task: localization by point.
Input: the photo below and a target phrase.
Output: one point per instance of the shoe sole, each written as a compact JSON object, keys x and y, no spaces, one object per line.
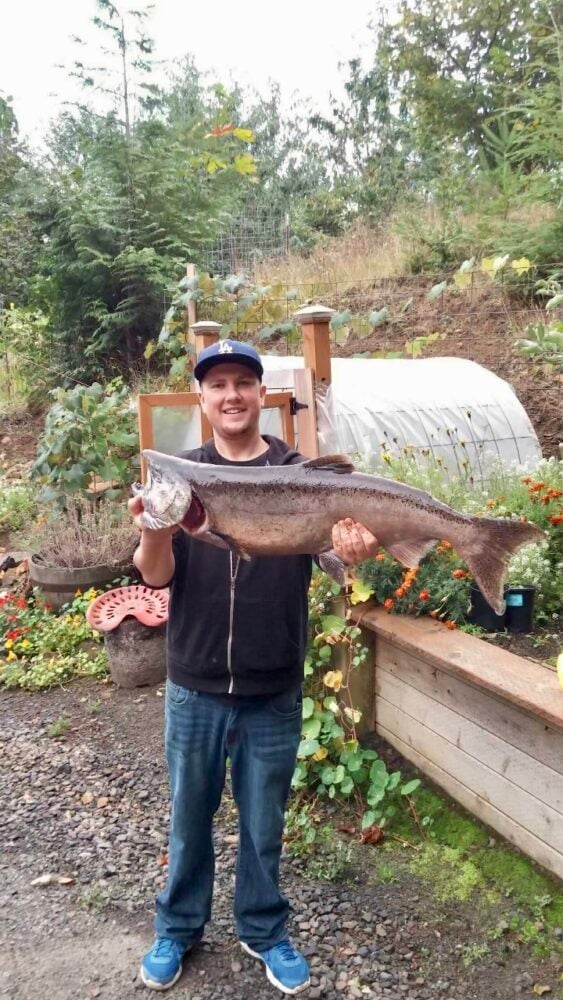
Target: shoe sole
{"x":275,"y":982}
{"x":151,"y":984}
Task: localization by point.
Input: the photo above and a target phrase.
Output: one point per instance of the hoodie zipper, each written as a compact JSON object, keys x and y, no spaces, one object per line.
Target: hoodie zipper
{"x":234,"y":571}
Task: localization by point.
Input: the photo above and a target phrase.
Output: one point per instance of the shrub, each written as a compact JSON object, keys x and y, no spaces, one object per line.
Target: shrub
{"x":17,"y":505}
{"x":90,"y":432}
{"x":85,"y":533}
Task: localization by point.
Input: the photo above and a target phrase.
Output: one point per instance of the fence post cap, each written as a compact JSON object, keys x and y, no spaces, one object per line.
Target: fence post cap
{"x":314,"y":314}
{"x":206,"y":326}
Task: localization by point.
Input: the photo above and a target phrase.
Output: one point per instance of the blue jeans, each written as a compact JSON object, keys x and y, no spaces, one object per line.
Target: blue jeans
{"x":261,"y":740}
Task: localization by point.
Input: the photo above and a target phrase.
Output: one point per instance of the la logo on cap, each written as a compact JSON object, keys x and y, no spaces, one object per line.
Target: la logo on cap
{"x":225,"y":348}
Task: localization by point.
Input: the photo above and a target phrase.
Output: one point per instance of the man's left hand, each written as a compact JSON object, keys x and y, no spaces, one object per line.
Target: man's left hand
{"x":352,"y":542}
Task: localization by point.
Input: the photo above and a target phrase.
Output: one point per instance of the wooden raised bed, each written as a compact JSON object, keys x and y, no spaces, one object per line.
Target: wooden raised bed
{"x":484,"y":724}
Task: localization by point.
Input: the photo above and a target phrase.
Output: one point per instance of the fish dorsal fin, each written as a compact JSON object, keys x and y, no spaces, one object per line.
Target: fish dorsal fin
{"x":331,"y":463}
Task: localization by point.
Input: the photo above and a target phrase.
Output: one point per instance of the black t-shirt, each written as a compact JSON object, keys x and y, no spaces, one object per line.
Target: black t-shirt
{"x":260,"y":605}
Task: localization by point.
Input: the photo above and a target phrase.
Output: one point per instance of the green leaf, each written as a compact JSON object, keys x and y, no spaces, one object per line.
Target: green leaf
{"x":555,"y":302}
{"x":244,"y":134}
{"x":369,"y":818}
{"x":394,"y":780}
{"x":327,"y":776}
{"x":378,"y":774}
{"x":333,"y":624}
{"x":311,"y":727}
{"x":339,"y":774}
{"x":178,"y":367}
{"x":410,"y":787}
{"x":379,"y":316}
{"x":245,"y":164}
{"x":308,"y":707}
{"x":347,"y":785}
{"x":436,"y":291}
{"x":307,"y":748}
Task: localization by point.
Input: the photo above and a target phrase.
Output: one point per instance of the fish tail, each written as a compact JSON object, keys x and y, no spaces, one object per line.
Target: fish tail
{"x":488,"y":549}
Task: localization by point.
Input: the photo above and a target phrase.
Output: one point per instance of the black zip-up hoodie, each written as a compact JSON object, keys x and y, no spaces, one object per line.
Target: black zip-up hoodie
{"x":237,"y":627}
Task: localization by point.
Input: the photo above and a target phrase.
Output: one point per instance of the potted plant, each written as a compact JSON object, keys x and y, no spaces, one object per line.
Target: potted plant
{"x":85,"y":544}
{"x":526,"y":571}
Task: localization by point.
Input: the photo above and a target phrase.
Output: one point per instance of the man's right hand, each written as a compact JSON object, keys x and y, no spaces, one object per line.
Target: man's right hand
{"x":153,"y":557}
{"x":135,"y":506}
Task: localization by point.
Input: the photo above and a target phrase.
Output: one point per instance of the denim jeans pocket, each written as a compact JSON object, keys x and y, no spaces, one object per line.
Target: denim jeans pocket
{"x":177,"y":695}
{"x":288,"y":704}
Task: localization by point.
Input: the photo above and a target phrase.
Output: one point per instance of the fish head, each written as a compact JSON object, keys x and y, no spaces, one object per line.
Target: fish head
{"x":167,"y":495}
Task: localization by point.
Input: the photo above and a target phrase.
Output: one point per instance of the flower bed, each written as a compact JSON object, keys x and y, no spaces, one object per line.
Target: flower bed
{"x":39,"y":648}
{"x":440,"y":586}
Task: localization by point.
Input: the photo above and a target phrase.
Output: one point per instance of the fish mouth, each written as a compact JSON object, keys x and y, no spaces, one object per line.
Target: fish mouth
{"x":195,"y":517}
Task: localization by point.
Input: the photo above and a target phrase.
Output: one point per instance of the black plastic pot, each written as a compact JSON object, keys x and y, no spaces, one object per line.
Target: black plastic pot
{"x":480,"y":613}
{"x":520,"y":609}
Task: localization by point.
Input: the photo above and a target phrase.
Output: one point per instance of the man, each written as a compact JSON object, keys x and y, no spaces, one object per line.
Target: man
{"x":236,"y":642}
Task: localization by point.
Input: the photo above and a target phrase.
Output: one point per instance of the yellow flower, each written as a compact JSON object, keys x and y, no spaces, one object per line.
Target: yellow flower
{"x":91,"y":594}
{"x":11,"y":656}
{"x":9,"y":644}
{"x":78,"y":593}
{"x":25,"y":644}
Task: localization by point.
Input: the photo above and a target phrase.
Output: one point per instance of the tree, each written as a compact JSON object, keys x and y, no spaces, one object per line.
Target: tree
{"x":136,"y":190}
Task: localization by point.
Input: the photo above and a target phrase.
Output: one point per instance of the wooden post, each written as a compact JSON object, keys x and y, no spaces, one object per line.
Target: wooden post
{"x":315,"y":321}
{"x":205,"y":333}
{"x":191,"y":272}
{"x":202,"y":335}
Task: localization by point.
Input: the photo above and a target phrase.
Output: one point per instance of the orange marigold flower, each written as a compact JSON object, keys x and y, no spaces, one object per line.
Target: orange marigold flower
{"x":388,"y":603}
{"x":451,"y":625}
{"x":400,"y":592}
{"x":491,"y":504}
{"x":526,"y":480}
{"x":536,"y":487}
{"x":459,"y":574}
{"x":446,"y":545}
{"x":380,"y":557}
{"x":424,"y":595}
{"x":556,"y":519}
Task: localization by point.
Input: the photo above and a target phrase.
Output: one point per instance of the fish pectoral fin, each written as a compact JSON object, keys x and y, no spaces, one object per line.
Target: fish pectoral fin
{"x":332,"y":564}
{"x":226,"y":542}
{"x":331,"y":463}
{"x":410,"y":551}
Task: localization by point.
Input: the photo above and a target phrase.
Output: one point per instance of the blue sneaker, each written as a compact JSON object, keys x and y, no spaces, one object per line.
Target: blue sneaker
{"x":286,"y":967}
{"x":162,"y":965}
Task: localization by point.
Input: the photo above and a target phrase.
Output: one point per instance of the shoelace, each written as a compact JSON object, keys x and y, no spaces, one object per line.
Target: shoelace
{"x":163,"y":947}
{"x":287,"y":952}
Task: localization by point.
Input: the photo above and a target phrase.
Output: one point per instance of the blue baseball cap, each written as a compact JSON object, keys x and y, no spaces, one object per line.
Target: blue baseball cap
{"x":230,"y":351}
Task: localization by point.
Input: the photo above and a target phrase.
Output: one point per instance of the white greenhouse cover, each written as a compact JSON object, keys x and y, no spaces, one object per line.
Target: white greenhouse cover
{"x":448,"y":407}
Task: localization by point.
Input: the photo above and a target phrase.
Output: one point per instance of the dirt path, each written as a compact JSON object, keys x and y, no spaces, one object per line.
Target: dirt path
{"x":92,"y":807}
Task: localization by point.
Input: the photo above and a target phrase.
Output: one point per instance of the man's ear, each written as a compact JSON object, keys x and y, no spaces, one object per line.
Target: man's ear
{"x":263,"y":391}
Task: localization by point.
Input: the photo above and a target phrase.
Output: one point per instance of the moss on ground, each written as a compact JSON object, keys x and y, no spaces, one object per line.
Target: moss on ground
{"x":461,"y":859}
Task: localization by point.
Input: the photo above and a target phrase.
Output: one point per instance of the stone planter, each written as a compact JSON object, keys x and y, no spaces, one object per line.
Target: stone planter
{"x":59,"y":584}
{"x":136,"y":653}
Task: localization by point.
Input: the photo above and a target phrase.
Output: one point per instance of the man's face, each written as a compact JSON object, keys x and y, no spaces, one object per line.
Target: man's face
{"x":231,"y":397}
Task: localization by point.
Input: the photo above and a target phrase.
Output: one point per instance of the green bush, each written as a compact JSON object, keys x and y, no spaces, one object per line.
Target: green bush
{"x":90,"y":432}
{"x":17,"y":505}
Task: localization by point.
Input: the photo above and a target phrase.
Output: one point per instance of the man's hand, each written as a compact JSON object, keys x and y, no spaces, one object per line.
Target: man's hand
{"x":135,"y":506}
{"x":352,"y":542}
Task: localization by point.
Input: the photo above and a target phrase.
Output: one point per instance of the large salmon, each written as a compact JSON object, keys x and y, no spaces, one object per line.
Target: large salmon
{"x":291,"y":509}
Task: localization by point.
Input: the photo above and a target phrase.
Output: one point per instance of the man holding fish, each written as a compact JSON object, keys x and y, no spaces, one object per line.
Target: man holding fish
{"x":237,"y":636}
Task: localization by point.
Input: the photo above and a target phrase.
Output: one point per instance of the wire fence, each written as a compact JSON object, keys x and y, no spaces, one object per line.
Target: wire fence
{"x":381,"y":305}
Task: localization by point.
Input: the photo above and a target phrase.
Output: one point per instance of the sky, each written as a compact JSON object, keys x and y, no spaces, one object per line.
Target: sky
{"x":297,"y":43}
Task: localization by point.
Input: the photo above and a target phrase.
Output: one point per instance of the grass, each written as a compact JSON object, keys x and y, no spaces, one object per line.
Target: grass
{"x":58,"y":729}
{"x":360,"y":254}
